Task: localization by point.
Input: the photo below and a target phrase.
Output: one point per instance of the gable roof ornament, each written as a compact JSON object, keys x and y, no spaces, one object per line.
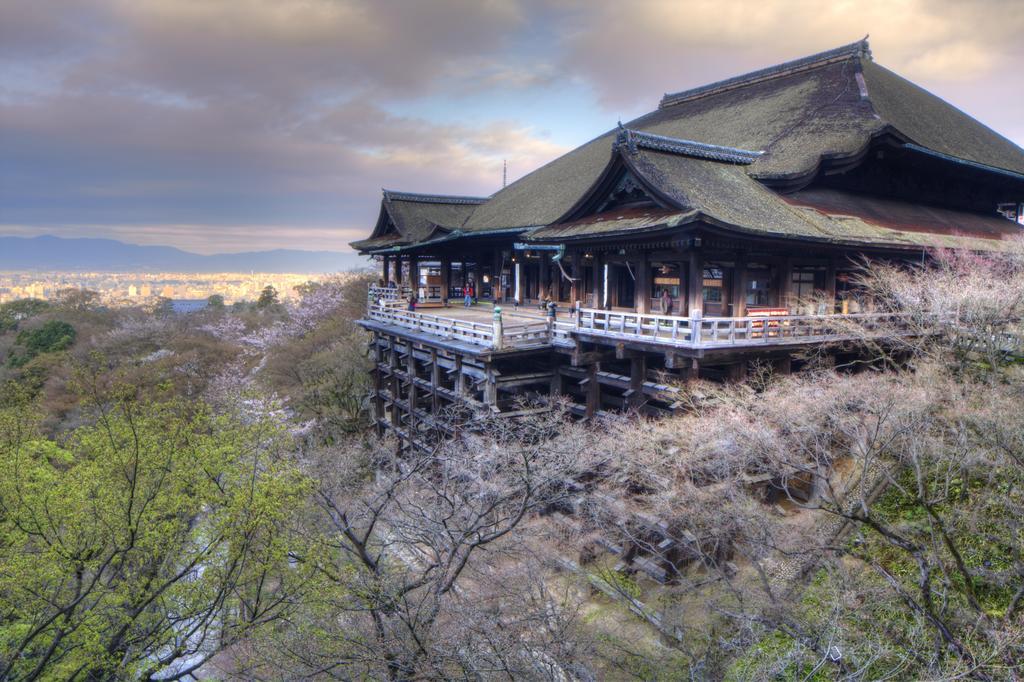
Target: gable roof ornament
{"x":858,"y":50}
{"x":633,"y":140}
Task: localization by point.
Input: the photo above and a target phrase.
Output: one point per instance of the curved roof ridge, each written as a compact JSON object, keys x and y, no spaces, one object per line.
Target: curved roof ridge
{"x":633,"y":139}
{"x":857,"y":49}
{"x":393,"y":195}
{"x":961,"y":160}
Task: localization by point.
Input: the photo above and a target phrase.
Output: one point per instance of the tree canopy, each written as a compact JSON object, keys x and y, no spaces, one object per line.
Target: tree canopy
{"x":52,"y":337}
{"x":142,"y":543}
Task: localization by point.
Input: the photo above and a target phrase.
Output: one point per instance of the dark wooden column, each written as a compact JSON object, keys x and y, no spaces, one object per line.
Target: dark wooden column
{"x":598,"y":281}
{"x":642,"y":286}
{"x":543,"y":283}
{"x":414,"y":275}
{"x":398,"y":270}
{"x":378,"y":384}
{"x":593,"y":390}
{"x":695,"y":283}
{"x":577,"y":284}
{"x":410,"y":372}
{"x":556,"y":376}
{"x":386,"y":269}
{"x":830,"y":284}
{"x":739,"y":286}
{"x":785,"y":281}
{"x":460,"y":380}
{"x":396,"y":418}
{"x":637,"y":377}
{"x":496,"y":292}
{"x":490,"y":386}
{"x":446,"y":277}
{"x":435,"y":382}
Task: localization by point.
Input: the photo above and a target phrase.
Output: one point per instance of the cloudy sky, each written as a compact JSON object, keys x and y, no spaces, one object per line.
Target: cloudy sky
{"x":229,"y":125}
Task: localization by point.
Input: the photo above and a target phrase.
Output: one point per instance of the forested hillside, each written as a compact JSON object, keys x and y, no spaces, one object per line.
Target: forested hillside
{"x":200,"y":495}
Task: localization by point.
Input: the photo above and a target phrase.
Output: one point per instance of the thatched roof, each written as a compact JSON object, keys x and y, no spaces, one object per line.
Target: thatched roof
{"x":407,"y":218}
{"x":712,"y":150}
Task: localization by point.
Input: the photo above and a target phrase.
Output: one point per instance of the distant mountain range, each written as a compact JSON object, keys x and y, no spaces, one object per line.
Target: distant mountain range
{"x":50,"y":253}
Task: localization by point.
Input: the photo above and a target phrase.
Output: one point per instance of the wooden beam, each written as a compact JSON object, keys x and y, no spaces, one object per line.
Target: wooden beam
{"x":580,"y":358}
{"x":622,"y":352}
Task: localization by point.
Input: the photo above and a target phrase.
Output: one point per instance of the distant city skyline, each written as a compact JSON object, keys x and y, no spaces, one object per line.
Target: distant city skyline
{"x":221,"y":126}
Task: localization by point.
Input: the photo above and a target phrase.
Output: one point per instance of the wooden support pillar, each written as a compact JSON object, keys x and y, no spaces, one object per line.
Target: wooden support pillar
{"x":642,"y":286}
{"x":598,"y":281}
{"x":496,"y":262}
{"x":465,"y":277}
{"x":786,"y":282}
{"x":435,"y":383}
{"x":398,"y":270}
{"x":460,"y":383}
{"x":593,"y":391}
{"x":378,"y":385}
{"x":556,"y":376}
{"x":544,"y":281}
{"x":695,"y":282}
{"x":637,"y":377}
{"x":830,"y":285}
{"x":517,"y":274}
{"x":396,"y":418}
{"x":385,"y":269}
{"x":739,"y":286}
{"x":414,"y":275}
{"x":410,"y":369}
{"x":577,"y":284}
{"x":490,"y":387}
{"x":737,"y":371}
{"x":446,"y":278}
{"x":783,"y":365}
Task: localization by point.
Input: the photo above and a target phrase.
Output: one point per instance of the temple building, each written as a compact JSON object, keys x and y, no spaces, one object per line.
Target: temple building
{"x":670,"y":236}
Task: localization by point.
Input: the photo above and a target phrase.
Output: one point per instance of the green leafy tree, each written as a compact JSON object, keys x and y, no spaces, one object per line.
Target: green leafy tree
{"x":215,"y":302}
{"x":11,"y":314}
{"x":142,"y":544}
{"x":52,"y":337}
{"x":268,"y":297}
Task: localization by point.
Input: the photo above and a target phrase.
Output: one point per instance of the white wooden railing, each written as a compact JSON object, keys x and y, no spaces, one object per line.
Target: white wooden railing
{"x":386,"y":307}
{"x":706,"y":332}
{"x":491,"y":335}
